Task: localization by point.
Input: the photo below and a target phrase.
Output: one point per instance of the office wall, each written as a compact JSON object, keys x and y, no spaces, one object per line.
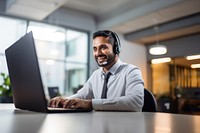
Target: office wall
{"x":134,"y":54}
{"x":131,"y":52}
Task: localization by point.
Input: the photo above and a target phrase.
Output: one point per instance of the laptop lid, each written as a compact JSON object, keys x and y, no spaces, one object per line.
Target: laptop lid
{"x":24,"y":72}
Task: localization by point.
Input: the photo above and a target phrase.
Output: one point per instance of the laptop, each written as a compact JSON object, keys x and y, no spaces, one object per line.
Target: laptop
{"x":25,"y":77}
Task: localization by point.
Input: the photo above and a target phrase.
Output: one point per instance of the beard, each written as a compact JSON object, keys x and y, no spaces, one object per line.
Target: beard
{"x":109,"y":59}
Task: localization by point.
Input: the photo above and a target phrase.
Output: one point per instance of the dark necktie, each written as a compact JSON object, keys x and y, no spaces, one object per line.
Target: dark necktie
{"x":104,"y":92}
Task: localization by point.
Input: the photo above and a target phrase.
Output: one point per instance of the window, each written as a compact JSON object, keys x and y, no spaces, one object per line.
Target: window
{"x":62,"y":56}
{"x":62,"y":53}
{"x":11,"y":30}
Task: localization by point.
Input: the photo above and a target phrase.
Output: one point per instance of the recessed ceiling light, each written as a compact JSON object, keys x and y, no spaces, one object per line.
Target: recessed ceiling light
{"x":50,"y":62}
{"x":193,"y":57}
{"x":195,"y":66}
{"x":160,"y":60}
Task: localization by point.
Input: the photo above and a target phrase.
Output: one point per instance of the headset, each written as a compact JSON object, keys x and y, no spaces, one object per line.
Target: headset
{"x":117,"y":44}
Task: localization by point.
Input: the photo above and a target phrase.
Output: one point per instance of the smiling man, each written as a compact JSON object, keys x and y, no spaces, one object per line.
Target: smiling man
{"x":116,"y":85}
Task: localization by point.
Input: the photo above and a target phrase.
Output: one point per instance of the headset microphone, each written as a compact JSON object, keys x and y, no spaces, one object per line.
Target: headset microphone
{"x":104,"y":63}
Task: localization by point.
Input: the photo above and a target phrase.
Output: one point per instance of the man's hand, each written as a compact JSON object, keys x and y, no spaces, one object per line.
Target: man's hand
{"x":59,"y":102}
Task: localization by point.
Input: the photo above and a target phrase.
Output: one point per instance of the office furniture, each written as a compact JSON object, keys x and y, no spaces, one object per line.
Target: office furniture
{"x":150,"y":104}
{"x":19,"y":121}
{"x":188,"y":100}
{"x":53,"y":91}
{"x":6,"y":99}
{"x":164,"y":104}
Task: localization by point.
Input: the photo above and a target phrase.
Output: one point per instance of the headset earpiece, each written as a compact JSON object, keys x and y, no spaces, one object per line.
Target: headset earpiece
{"x":117,"y":45}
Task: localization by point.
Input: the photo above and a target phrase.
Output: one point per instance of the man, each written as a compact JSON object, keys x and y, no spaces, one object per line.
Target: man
{"x":124,"y":90}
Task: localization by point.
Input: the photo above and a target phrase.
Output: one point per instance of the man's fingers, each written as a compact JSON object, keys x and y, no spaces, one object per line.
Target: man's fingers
{"x":51,"y":103}
{"x":56,"y":102}
{"x":70,"y":103}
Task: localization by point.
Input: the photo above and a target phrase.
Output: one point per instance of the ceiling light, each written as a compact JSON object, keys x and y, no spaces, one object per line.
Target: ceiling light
{"x":47,"y":34}
{"x":195,"y":66}
{"x":50,"y":62}
{"x":157,"y":49}
{"x":160,"y":60}
{"x":193,"y":57}
{"x":54,"y":52}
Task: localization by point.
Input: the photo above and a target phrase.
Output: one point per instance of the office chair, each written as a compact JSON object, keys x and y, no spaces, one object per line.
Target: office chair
{"x":150,"y":103}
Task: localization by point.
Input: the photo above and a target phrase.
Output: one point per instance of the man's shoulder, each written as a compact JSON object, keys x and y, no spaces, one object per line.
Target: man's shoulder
{"x":129,"y":69}
{"x":129,"y":66}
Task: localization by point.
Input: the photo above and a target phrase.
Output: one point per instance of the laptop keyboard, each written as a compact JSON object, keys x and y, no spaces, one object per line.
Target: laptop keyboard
{"x":50,"y":108}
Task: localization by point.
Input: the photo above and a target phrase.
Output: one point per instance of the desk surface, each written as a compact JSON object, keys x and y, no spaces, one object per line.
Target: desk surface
{"x":19,"y":121}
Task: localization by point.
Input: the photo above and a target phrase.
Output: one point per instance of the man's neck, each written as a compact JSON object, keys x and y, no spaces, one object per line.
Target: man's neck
{"x":106,"y":68}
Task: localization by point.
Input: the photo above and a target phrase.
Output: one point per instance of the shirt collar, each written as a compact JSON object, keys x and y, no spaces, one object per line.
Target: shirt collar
{"x":114,"y":68}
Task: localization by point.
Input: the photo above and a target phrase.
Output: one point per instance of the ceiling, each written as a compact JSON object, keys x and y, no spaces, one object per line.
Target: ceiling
{"x":135,"y":19}
{"x":128,"y":17}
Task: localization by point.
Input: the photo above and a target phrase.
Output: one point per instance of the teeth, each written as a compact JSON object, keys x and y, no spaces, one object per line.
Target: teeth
{"x":102,"y":57}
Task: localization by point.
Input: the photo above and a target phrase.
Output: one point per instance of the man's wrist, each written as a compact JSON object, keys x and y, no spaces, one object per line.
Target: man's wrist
{"x":89,"y":104}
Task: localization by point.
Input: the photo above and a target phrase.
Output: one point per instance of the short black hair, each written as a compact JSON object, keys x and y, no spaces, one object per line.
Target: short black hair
{"x":105,"y":33}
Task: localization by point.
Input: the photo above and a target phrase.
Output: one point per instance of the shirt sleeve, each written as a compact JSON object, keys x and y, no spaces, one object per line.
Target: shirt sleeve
{"x":132,"y":100}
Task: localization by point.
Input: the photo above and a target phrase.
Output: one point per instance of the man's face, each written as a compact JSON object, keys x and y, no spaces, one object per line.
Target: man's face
{"x":103,"y":51}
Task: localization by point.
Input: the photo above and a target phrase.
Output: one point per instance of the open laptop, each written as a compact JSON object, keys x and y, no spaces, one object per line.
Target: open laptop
{"x":25,"y":77}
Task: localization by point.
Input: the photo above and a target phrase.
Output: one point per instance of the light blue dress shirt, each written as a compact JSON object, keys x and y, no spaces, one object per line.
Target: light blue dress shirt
{"x":125,"y":89}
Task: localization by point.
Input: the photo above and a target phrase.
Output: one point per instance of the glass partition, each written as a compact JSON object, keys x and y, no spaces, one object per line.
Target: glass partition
{"x":62,"y":56}
{"x":62,"y":52}
{"x":176,"y":85}
{"x":11,"y":30}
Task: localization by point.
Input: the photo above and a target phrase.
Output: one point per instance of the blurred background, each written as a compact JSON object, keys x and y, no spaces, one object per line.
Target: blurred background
{"x":162,"y":37}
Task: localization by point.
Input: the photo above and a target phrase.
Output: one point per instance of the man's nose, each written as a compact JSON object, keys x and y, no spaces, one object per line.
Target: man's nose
{"x":98,"y":51}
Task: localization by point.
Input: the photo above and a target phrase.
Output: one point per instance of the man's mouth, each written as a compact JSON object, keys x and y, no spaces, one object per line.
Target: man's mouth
{"x":101,"y":58}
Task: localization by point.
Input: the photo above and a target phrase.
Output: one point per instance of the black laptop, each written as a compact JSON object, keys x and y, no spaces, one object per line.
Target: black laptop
{"x":25,"y":77}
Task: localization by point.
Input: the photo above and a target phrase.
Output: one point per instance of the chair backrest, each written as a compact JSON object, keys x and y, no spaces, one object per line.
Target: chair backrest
{"x":150,"y":104}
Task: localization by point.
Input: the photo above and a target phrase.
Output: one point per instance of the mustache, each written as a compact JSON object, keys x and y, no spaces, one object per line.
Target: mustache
{"x":100,"y":56}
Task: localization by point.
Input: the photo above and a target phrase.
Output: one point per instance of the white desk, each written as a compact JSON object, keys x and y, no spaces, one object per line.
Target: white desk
{"x":18,"y":121}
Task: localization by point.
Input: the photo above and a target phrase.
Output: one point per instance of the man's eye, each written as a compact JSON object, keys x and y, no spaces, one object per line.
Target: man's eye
{"x":103,"y":48}
{"x":94,"y":49}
